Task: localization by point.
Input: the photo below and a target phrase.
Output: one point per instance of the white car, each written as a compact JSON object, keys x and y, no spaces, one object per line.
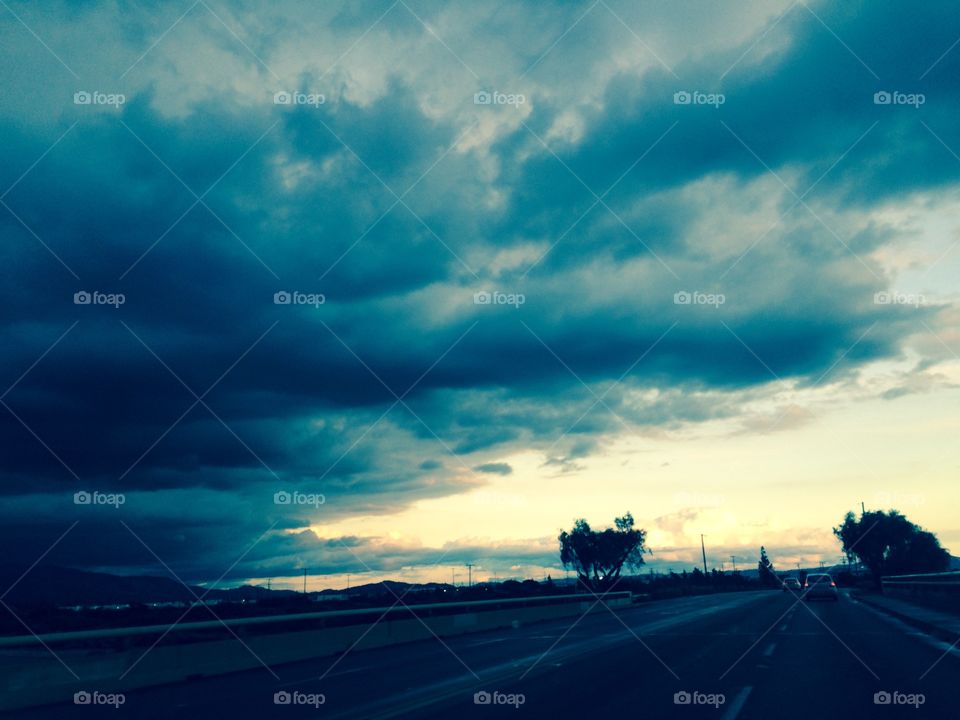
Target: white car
{"x":820,"y":585}
{"x":791,"y":584}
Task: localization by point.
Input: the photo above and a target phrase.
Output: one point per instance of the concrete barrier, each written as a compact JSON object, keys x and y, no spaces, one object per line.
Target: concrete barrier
{"x":940,"y":590}
{"x":121,"y":659}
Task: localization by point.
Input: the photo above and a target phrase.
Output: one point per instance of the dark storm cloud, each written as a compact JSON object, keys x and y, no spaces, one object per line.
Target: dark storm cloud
{"x":306,"y":199}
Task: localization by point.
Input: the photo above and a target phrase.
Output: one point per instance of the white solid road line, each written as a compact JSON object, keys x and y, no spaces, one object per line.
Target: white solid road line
{"x":734,"y":708}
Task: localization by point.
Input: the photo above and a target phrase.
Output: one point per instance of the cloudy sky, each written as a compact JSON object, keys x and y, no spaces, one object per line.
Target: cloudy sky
{"x":468,"y":271}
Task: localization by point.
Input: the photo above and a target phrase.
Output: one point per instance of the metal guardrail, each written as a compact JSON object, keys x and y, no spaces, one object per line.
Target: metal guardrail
{"x":943,"y":579}
{"x":354,"y":613}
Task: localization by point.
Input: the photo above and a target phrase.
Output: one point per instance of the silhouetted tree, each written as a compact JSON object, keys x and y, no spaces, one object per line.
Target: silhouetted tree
{"x":599,"y":556}
{"x":889,"y":544}
{"x":765,"y":571}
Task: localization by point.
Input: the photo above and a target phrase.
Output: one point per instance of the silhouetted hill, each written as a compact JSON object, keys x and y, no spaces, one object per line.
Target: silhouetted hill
{"x":50,"y":585}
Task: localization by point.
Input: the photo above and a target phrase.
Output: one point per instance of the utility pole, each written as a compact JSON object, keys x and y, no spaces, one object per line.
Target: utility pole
{"x":733,"y":559}
{"x":348,"y":581}
{"x":469,"y":574}
{"x":821,"y":564}
{"x":703,"y":550}
{"x":863,"y":509}
{"x":304,"y":581}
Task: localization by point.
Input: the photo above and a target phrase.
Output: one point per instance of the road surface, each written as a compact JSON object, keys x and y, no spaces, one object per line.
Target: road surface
{"x":749,"y":656}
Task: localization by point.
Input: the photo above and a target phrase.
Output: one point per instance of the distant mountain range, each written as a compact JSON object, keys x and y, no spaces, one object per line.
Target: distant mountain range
{"x":50,"y":585}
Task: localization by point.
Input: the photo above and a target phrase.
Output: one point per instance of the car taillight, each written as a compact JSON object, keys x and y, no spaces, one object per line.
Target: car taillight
{"x":806,"y":584}
{"x":832,"y":584}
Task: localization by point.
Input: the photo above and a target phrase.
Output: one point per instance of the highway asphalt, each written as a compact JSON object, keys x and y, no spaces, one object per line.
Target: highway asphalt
{"x":753,"y":656}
